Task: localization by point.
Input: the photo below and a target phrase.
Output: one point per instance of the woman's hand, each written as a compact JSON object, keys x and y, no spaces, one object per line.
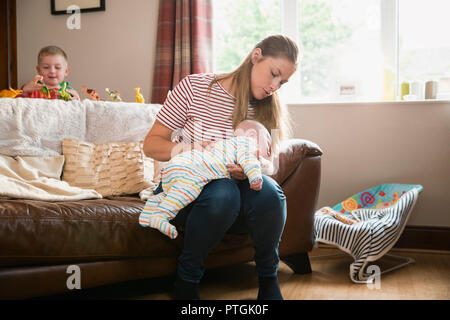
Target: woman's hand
{"x":236,"y":171}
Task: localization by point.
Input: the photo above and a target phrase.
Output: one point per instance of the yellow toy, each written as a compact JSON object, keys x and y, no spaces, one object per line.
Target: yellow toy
{"x":62,"y":91}
{"x":139,"y":96}
{"x":11,"y":93}
{"x":113,"y":94}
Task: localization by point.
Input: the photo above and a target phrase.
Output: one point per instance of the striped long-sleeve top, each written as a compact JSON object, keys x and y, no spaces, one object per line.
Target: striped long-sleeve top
{"x":201,"y":167}
{"x":196,"y":112}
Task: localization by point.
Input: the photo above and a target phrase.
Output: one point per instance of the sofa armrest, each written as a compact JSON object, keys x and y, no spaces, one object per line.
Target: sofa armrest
{"x":292,"y":153}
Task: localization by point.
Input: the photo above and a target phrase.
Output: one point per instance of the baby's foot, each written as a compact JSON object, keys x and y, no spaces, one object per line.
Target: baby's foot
{"x":164,"y":226}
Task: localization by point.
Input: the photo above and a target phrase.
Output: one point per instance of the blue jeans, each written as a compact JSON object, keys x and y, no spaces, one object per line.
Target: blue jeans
{"x":227,"y":205}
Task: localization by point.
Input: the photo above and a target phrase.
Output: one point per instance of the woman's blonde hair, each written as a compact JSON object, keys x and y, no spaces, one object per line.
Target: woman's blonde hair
{"x":269,"y":110}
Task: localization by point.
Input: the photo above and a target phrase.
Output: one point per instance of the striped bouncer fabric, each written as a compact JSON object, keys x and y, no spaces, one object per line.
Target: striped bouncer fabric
{"x":368,"y":224}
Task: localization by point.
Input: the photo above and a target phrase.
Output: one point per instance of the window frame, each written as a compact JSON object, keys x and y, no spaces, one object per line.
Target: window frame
{"x":389,"y":35}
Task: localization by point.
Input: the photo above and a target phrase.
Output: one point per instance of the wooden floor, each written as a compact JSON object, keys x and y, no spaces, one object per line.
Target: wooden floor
{"x":427,"y":278}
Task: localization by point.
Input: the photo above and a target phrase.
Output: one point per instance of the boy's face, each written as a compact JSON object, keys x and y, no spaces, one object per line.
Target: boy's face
{"x":53,"y":68}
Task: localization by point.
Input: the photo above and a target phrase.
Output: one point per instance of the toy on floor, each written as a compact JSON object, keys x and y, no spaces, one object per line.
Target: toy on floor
{"x":114,"y":95}
{"x":139,"y":96}
{"x":10,"y":93}
{"x":93,"y":95}
{"x":62,"y":91}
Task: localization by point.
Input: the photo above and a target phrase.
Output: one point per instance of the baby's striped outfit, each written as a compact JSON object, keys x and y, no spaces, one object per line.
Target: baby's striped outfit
{"x":184,"y":177}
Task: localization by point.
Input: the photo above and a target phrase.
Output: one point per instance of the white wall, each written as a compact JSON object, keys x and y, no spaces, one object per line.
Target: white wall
{"x":114,"y":48}
{"x":366,"y":144}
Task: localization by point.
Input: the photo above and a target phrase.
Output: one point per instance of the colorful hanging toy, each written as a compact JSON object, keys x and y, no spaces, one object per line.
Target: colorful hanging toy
{"x":114,"y":95}
{"x":10,"y":93}
{"x":93,"y":95}
{"x":139,"y":96}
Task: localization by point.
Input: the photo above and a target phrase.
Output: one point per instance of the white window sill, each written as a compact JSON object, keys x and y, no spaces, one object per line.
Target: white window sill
{"x":337,"y":103}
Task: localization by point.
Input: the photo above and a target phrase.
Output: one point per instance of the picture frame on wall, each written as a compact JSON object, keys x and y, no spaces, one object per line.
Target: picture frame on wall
{"x":60,"y":6}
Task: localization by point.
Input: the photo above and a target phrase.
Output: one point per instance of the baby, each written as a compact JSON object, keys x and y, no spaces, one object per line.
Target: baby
{"x":52,"y":68}
{"x":185,"y":175}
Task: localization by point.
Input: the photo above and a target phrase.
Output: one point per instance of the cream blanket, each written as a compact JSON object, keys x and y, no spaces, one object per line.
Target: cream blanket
{"x":31,"y":134}
{"x":38,"y":178}
{"x":36,"y":127}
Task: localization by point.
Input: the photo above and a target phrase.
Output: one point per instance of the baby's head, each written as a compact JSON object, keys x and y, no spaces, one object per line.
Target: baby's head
{"x":52,"y":65}
{"x":256,"y":130}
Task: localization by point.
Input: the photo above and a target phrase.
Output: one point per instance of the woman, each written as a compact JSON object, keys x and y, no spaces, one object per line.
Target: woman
{"x":203,"y":108}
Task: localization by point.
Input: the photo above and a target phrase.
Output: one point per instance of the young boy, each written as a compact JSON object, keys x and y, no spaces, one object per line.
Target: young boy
{"x":52,"y":68}
{"x":187,"y":173}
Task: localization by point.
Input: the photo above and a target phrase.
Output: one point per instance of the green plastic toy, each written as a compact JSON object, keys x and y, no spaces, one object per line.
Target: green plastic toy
{"x":45,"y":91}
{"x":62,"y":91}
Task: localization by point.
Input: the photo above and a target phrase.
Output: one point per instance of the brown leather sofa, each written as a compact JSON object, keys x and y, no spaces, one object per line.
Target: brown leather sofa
{"x":39,"y":240}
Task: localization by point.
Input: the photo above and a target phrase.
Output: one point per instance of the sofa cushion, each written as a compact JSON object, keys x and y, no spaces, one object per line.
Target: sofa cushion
{"x":108,"y":168}
{"x":40,"y":232}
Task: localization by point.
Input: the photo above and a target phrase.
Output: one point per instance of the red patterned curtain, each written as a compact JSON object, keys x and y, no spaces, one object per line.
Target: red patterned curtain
{"x":184,"y":43}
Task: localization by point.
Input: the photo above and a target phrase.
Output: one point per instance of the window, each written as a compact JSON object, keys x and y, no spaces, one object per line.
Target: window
{"x":424,"y":42}
{"x":238,"y":26}
{"x":350,"y":50}
{"x":341,"y":46}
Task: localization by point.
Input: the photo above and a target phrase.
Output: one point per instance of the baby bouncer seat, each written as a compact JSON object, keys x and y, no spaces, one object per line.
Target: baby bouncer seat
{"x":367,"y":225}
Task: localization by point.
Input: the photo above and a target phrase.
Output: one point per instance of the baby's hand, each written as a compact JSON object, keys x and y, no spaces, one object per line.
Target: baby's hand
{"x":35,"y":84}
{"x":257,"y":184}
